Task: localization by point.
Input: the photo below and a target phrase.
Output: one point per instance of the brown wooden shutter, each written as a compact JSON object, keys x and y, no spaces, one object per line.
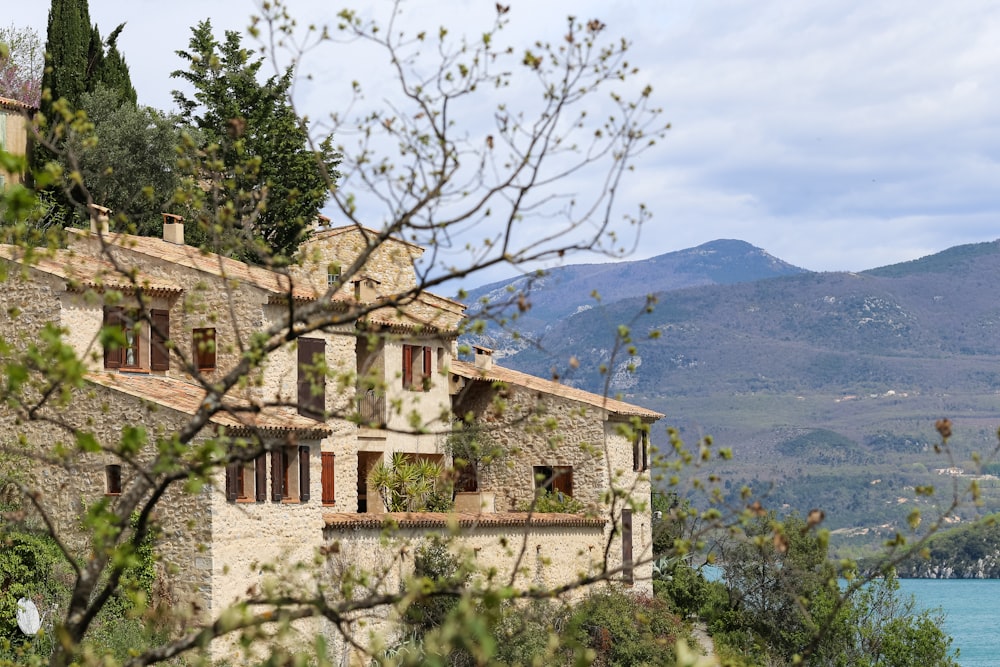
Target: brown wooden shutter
{"x":425,"y":381}
{"x":232,"y":480}
{"x":329,"y":460}
{"x":159,"y":355}
{"x":407,"y":366}
{"x":204,"y":348}
{"x":113,"y":358}
{"x":312,"y":384}
{"x":635,"y":452}
{"x":627,"y":546}
{"x":562,"y":480}
{"x":260,"y":474}
{"x":645,"y":451}
{"x":277,"y":474}
{"x":304,"y":473}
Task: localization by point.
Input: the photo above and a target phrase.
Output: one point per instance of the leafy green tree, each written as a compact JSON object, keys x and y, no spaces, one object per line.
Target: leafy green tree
{"x":259,"y":151}
{"x":127,"y":158}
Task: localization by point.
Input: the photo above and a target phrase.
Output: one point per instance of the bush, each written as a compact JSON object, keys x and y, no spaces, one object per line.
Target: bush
{"x":624,"y":630}
{"x":547,"y":502}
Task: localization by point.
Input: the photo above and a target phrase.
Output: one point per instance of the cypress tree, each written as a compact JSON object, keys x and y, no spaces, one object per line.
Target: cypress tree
{"x":67,"y":53}
{"x":113,"y":71}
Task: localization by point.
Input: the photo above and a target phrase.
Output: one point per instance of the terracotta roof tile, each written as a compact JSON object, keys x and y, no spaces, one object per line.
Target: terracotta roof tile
{"x":276,"y":283}
{"x":463,"y":520}
{"x":85,"y":271}
{"x":187,"y":397}
{"x":6,"y":102}
{"x":516,"y":378}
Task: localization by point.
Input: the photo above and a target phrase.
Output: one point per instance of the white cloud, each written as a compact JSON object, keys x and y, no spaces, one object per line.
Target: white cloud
{"x":835,"y":135}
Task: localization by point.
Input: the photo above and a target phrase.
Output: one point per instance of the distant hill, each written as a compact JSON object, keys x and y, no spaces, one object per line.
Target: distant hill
{"x":565,"y":291}
{"x":886,"y":329}
{"x":825,"y":385}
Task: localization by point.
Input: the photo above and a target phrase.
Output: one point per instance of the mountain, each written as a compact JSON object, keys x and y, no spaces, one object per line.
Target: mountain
{"x":826,"y":386}
{"x":891,"y":328}
{"x":564,"y":291}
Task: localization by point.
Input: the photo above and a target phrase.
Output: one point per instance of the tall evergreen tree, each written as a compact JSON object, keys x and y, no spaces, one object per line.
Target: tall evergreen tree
{"x":67,"y":49}
{"x":274,"y":181}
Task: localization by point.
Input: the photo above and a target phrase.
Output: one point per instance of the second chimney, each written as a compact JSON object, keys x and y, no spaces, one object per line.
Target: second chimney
{"x":99,"y":218}
{"x":484,"y":357}
{"x":173,"y":228}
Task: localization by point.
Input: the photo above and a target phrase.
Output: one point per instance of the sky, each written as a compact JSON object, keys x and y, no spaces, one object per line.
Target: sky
{"x":837,"y":136}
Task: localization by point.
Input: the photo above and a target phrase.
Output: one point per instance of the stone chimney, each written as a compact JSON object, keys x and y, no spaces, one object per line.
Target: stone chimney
{"x":99,"y":219}
{"x":173,"y":228}
{"x":484,"y":357}
{"x":365,"y":289}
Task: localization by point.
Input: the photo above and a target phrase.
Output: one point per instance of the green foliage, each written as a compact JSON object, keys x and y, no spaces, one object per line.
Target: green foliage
{"x":553,"y":503}
{"x":623,"y":629}
{"x":473,"y":451}
{"x":128,"y":159}
{"x":435,"y":568}
{"x":31,"y":566}
{"x":67,"y":48}
{"x":408,"y":484}
{"x":251,"y":145}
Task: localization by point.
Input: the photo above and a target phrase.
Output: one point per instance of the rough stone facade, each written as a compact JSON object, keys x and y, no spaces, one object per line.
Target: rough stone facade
{"x":216,"y":546}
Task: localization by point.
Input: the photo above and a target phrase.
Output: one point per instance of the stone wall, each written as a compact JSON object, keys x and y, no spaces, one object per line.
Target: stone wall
{"x":536,"y":556}
{"x":538,"y":429}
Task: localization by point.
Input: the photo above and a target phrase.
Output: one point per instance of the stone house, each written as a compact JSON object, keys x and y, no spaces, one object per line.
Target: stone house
{"x":387,"y":382}
{"x":14,"y":117}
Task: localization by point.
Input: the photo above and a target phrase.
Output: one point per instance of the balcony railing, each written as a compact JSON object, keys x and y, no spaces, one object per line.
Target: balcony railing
{"x":371,"y":407}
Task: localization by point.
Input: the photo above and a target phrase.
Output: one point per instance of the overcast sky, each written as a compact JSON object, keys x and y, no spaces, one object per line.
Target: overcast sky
{"x":836,"y":136}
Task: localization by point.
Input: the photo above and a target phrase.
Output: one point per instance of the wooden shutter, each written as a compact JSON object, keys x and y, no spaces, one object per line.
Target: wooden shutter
{"x":645,"y":451}
{"x":329,"y":460}
{"x":407,"y":366}
{"x":114,"y":479}
{"x":159,"y":355}
{"x":304,"y":473}
{"x":232,"y":480}
{"x":425,"y":381}
{"x":312,"y":384}
{"x":562,"y":480}
{"x":204,"y":348}
{"x":113,"y":358}
{"x":277,"y":474}
{"x":260,"y":474}
{"x":636,"y":443}
{"x":627,"y":545}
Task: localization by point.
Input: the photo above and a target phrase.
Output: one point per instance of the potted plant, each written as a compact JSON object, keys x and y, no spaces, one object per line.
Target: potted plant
{"x":473,"y":452}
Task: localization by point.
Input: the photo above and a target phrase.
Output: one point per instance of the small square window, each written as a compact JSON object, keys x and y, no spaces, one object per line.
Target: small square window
{"x":204,"y":348}
{"x":332,"y":275}
{"x":554,"y":479}
{"x":113,"y":479}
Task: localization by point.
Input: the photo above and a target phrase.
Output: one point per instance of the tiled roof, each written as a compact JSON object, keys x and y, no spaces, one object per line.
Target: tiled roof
{"x":460,"y":519}
{"x":85,"y":271}
{"x":7,"y":103}
{"x":187,"y":398}
{"x":278,"y":284}
{"x":515,"y":378}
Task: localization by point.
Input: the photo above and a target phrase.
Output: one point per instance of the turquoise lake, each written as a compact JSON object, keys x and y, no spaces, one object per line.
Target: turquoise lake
{"x":972,"y":614}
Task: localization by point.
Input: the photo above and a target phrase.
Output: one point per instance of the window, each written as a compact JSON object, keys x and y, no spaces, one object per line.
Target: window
{"x":290,"y":474}
{"x":640,"y":452}
{"x":332,"y":275}
{"x":204,"y":348}
{"x":159,"y":354}
{"x":246,"y":481}
{"x":554,"y":479}
{"x":627,"y":546}
{"x":312,"y":377}
{"x":113,"y":479}
{"x":417,"y":367}
{"x":123,"y":350}
{"x":329,"y":477}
